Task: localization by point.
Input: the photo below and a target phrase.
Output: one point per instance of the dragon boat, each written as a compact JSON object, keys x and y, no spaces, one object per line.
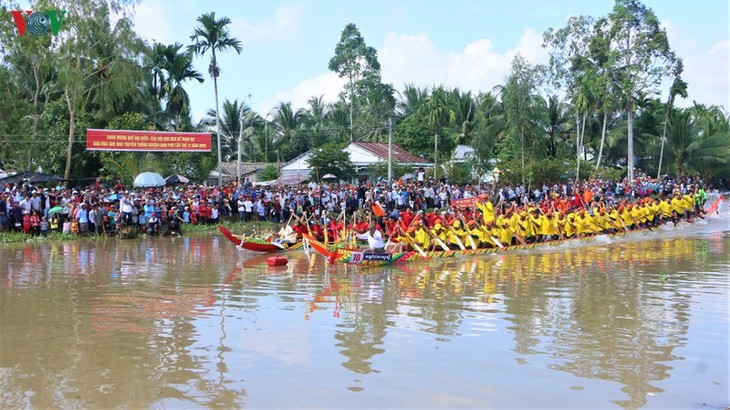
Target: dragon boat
{"x":257,"y":244}
{"x":368,"y":258}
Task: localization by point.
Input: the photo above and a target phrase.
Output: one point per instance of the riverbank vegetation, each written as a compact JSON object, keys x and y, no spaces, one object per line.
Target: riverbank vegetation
{"x":258,"y":228}
{"x":604,"y":105}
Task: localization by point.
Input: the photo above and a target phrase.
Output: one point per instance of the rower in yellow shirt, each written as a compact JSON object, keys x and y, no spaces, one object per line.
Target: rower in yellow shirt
{"x":421,"y":236}
{"x":505,"y":232}
{"x":456,"y":236}
{"x":565,"y":225}
{"x":487,"y":209}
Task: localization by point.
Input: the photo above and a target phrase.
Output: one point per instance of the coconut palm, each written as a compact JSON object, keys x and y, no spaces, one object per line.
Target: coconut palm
{"x":212,"y":35}
{"x":678,"y":88}
{"x":288,"y":126}
{"x":464,"y":108}
{"x":154,"y":63}
{"x":130,"y":164}
{"x":439,"y":115}
{"x":179,"y":68}
{"x":316,"y":120}
{"x":410,"y":100}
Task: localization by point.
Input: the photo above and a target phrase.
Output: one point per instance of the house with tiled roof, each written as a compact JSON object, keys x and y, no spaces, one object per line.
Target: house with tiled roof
{"x":250,"y":171}
{"x":362,"y":156}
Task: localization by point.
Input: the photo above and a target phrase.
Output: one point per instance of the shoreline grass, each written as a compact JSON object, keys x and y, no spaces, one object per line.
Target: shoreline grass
{"x":236,"y":226}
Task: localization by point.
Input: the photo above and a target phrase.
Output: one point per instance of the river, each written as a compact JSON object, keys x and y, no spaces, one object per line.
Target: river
{"x":191,"y":322}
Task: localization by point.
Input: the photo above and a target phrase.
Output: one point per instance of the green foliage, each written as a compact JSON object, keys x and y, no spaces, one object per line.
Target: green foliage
{"x":380,"y":170}
{"x":129,"y":121}
{"x":459,"y":174}
{"x":610,"y":68}
{"x":608,"y":174}
{"x":269,"y":173}
{"x":331,"y":159}
{"x":130,"y":164}
{"x":370,"y":101}
{"x":543,"y":170}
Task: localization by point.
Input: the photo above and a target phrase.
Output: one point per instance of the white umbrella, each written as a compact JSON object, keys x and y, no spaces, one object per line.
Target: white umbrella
{"x":149,"y":179}
{"x":329,"y":176}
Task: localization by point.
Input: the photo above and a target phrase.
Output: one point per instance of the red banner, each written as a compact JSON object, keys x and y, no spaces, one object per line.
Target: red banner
{"x":122,"y":140}
{"x":464,"y":202}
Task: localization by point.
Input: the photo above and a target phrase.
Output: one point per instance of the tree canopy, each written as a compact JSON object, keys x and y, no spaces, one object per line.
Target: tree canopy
{"x":604,"y":104}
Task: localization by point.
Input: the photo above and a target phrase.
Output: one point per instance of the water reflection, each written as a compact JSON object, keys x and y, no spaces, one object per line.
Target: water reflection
{"x":190,"y":321}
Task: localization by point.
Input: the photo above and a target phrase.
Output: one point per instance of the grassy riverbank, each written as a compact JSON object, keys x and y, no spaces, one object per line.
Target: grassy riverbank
{"x":238,"y":227}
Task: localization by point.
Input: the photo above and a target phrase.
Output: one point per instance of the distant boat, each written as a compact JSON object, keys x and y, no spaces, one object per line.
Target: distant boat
{"x":257,"y":244}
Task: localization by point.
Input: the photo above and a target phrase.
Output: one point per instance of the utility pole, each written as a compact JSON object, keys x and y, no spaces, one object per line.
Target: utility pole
{"x":390,"y":151}
{"x":240,"y":137}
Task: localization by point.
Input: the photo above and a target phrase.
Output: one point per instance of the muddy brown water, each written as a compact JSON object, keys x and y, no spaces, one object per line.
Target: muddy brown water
{"x":191,"y":322}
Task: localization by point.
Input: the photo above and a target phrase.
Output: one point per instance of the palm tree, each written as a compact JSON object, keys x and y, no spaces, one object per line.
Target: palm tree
{"x":410,"y":100}
{"x":316,"y":121}
{"x":179,"y":68}
{"x":678,"y":88}
{"x":489,"y":125}
{"x":464,"y":108}
{"x":154,"y":63}
{"x":288,"y":128}
{"x":230,"y":123}
{"x":439,"y":115}
{"x":130,"y":164}
{"x":709,"y":154}
{"x":213,"y":35}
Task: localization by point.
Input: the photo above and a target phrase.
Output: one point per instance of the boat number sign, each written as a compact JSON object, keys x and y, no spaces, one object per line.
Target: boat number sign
{"x":360,"y":257}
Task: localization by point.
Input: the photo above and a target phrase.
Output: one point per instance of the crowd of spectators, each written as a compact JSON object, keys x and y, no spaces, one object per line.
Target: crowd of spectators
{"x":101,"y":209}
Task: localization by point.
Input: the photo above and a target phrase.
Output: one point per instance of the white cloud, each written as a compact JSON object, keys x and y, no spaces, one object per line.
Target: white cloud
{"x":151,"y":21}
{"x":285,"y":24}
{"x":478,"y":67}
{"x":415,"y":60}
{"x":708,"y":76}
{"x":706,"y":68}
{"x":327,"y":85}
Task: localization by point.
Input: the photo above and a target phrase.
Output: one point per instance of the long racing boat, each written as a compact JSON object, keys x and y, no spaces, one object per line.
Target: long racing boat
{"x":257,"y":244}
{"x":368,"y":258}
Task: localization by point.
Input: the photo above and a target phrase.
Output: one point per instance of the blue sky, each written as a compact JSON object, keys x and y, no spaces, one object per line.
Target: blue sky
{"x":470,"y":44}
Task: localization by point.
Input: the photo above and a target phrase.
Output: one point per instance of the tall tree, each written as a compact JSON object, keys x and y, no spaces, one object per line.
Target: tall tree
{"x":83,"y":69}
{"x":519,"y":103}
{"x":639,"y":58}
{"x":358,"y":62}
{"x":440,"y":115}
{"x":179,"y":68}
{"x":678,"y":88}
{"x":288,"y":128}
{"x":213,"y":35}
{"x":410,"y":100}
{"x":154,"y":63}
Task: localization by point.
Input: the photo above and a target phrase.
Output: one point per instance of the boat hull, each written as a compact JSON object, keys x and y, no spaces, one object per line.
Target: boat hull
{"x":256,"y":244}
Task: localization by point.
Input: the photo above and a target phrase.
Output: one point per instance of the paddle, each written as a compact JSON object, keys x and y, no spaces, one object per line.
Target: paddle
{"x":552,"y":222}
{"x":438,"y":241}
{"x":468,"y":236}
{"x":411,"y":242}
{"x":456,"y":237}
{"x":492,"y":238}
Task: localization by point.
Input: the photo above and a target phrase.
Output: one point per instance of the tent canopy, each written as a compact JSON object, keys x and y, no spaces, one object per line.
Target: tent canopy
{"x":33,"y":178}
{"x":176,"y":179}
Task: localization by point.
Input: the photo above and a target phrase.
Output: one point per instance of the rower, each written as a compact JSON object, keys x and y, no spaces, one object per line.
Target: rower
{"x":374,"y":238}
{"x":286,"y":234}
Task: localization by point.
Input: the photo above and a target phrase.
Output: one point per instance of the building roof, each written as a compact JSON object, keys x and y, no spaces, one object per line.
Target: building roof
{"x":362,"y":154}
{"x":231,"y":168}
{"x":462,"y":153}
{"x":398,"y":153}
